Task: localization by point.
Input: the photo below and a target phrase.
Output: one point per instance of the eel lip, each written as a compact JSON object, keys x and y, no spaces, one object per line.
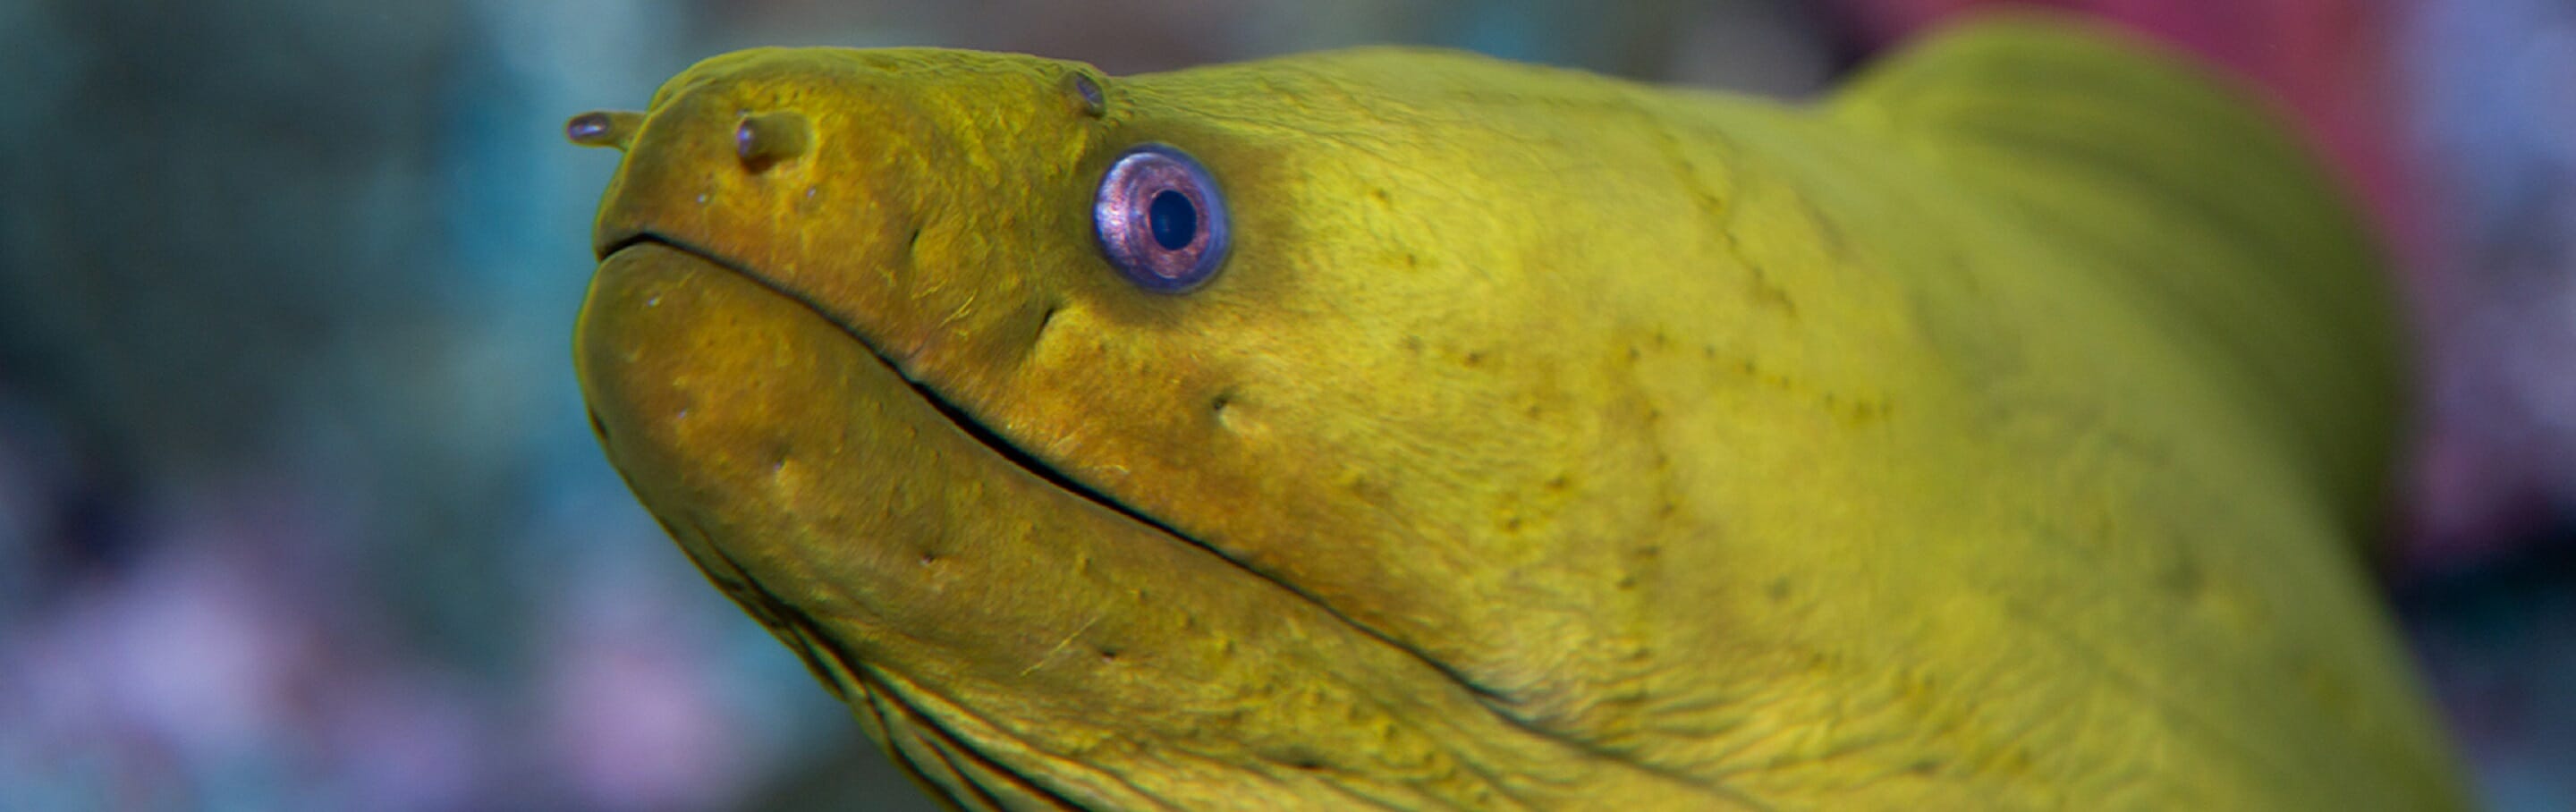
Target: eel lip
{"x":965,"y":421}
{"x":608,"y":243}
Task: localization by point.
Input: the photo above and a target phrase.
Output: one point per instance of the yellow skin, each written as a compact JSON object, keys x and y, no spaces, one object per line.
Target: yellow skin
{"x":2000,"y":433}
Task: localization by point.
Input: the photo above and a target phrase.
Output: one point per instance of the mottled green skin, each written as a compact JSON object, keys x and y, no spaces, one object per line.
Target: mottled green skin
{"x":1998,"y":434}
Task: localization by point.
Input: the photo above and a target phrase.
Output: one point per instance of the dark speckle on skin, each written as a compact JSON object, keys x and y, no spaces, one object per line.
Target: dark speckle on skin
{"x":1778,"y":590}
{"x":1770,"y":294}
{"x":1826,"y":231}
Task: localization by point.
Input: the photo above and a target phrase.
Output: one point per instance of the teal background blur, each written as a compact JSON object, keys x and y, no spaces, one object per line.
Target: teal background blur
{"x":298,"y":509}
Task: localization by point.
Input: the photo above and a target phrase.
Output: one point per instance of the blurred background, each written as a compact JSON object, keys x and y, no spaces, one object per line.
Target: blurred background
{"x":298,"y":509}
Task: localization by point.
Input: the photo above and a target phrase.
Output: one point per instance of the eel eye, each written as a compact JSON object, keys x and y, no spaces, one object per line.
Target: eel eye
{"x":1160,"y":219}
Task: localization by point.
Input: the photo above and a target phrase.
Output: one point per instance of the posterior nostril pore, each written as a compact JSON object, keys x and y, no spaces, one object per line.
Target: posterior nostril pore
{"x":763,"y":140}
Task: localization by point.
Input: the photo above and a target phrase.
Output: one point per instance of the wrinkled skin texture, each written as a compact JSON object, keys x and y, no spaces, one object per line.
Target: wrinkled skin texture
{"x":2001,"y":433}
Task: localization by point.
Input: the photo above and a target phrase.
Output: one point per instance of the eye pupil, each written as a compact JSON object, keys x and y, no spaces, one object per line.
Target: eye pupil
{"x":1174,"y":220}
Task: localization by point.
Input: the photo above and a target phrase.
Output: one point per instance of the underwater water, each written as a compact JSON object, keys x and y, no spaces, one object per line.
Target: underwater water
{"x":298,"y":509}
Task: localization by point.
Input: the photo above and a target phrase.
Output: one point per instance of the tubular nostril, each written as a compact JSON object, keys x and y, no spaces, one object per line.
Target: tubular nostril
{"x":604,"y":128}
{"x":768,"y":138}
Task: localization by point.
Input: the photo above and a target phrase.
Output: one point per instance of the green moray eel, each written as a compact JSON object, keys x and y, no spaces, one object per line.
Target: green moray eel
{"x":2001,"y":432}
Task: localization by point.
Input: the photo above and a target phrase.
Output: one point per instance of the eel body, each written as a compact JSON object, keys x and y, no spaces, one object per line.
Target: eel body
{"x":2001,"y":432}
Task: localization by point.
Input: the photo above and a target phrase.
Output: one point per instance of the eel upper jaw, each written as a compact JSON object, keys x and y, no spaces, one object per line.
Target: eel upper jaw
{"x":609,"y":244}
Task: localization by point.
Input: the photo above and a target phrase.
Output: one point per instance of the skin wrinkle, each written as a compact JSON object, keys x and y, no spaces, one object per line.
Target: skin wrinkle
{"x":956,"y":780}
{"x":869,"y":708}
{"x":1535,"y":449}
{"x":926,"y":709}
{"x":957,"y":711}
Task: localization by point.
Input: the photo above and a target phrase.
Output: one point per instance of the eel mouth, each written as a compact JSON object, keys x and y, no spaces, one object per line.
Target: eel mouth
{"x":956,"y":415}
{"x":967,"y":424}
{"x":988,"y":626}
